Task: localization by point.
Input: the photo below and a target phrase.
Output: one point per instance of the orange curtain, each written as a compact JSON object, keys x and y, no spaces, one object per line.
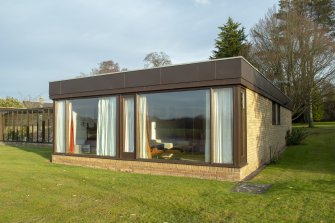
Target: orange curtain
{"x":148,"y":135}
{"x":71,"y":137}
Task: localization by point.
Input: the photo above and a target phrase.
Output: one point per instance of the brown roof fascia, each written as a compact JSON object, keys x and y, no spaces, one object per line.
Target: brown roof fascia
{"x":226,"y":71}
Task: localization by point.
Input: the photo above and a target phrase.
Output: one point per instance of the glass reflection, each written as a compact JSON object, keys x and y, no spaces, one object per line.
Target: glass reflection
{"x":175,"y":125}
{"x":82,"y":126}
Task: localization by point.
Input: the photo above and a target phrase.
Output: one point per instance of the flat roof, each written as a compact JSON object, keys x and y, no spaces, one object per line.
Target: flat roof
{"x":211,"y":73}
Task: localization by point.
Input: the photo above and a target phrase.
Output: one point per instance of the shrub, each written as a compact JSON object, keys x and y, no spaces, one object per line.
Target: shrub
{"x":295,"y":136}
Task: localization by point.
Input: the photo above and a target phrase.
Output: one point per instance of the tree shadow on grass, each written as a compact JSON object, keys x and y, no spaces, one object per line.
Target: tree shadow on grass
{"x":44,"y":152}
{"x":314,"y":186}
{"x":306,"y":161}
{"x":326,"y":182}
{"x":316,"y":154}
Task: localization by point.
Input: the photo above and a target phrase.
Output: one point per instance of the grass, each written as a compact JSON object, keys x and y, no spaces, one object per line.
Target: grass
{"x":317,"y":124}
{"x":34,"y":190}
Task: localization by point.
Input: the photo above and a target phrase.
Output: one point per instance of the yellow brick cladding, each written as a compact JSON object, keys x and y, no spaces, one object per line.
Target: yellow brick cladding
{"x":263,"y":139}
{"x":141,"y":167}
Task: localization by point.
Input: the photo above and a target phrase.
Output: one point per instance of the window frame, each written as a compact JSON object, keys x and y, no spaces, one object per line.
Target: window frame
{"x":275,"y":113}
{"x":123,"y":154}
{"x":239,"y":157}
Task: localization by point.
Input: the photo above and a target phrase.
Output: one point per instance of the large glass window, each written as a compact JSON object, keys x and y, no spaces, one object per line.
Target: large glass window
{"x":168,"y":125}
{"x":175,"y":125}
{"x":82,"y":126}
{"x":50,"y":125}
{"x":40,"y":126}
{"x":275,"y":113}
{"x":30,"y":125}
{"x":34,"y":124}
{"x":19,"y":128}
{"x":45,"y":126}
{"x":24,"y":125}
{"x":7,"y":128}
{"x":92,"y":126}
{"x":14,"y":123}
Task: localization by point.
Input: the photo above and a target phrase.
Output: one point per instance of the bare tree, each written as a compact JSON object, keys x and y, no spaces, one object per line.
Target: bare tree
{"x":296,"y":54}
{"x":108,"y":66}
{"x":155,"y":59}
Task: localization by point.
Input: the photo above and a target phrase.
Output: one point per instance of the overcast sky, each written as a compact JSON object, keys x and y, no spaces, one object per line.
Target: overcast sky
{"x":44,"y":40}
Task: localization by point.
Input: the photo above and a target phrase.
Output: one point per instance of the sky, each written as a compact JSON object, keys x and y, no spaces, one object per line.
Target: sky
{"x":47,"y":40}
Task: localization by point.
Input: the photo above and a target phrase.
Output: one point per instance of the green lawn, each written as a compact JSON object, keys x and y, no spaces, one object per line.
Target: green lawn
{"x":34,"y":190}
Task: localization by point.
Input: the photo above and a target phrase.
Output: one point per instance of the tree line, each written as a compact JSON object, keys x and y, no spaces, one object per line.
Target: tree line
{"x":153,"y":59}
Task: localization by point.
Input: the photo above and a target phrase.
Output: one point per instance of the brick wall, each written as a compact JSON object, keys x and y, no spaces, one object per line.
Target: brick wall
{"x":203,"y":172}
{"x":264,"y":140}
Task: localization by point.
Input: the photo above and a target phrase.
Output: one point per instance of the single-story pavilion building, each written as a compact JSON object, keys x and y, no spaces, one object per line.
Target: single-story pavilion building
{"x":218,"y":119}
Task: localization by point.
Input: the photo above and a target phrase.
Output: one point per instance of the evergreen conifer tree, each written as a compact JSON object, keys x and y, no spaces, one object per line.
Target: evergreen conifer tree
{"x":231,"y":40}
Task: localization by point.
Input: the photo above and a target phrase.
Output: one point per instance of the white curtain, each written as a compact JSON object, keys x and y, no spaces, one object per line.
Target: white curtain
{"x":106,"y":129}
{"x":142,"y":120}
{"x":208,"y":127}
{"x":128,"y":107}
{"x":60,"y":126}
{"x":223,"y":125}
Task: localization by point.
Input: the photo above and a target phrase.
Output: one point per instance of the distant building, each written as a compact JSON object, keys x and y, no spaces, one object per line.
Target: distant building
{"x":32,"y":124}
